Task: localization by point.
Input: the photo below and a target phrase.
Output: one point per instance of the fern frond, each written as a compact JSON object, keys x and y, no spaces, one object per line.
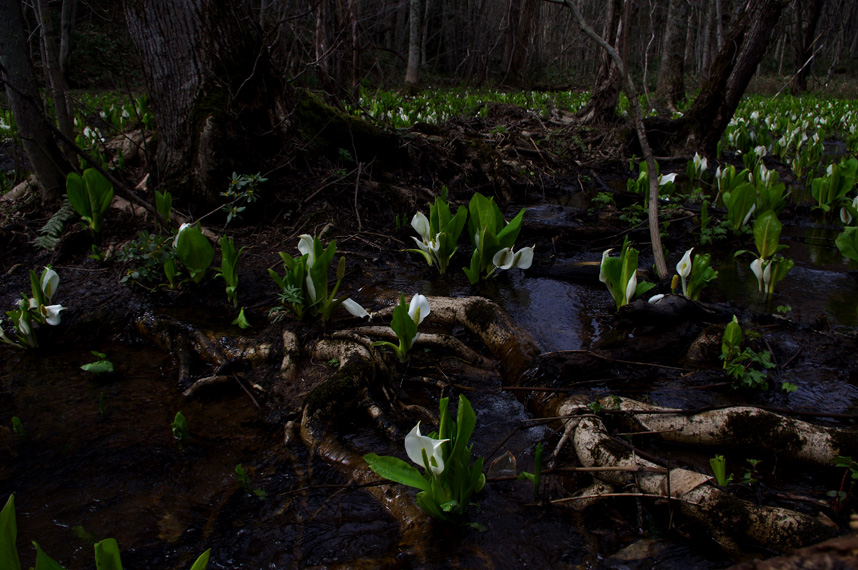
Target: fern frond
{"x":53,"y":229}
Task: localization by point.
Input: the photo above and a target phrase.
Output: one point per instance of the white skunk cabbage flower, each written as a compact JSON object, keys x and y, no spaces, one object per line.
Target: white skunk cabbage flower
{"x":416,"y":445}
{"x":418,"y":309}
{"x":355,"y":309}
{"x":684,"y":270}
{"x":506,"y":258}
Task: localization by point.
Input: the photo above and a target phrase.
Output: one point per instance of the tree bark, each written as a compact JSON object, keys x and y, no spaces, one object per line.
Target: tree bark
{"x":66,"y":28}
{"x":48,"y":163}
{"x":609,"y":80}
{"x":670,"y":89}
{"x":704,"y":123}
{"x":412,"y":71}
{"x":53,"y":74}
{"x":807,"y":13}
{"x":214,"y":97}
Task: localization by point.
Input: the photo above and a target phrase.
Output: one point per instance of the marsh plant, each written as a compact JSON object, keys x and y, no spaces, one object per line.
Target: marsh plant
{"x":770,"y":267}
{"x":838,"y":181}
{"x":619,"y":274}
{"x":439,"y":233}
{"x":406,"y":319}
{"x":304,"y":286}
{"x":90,"y":196}
{"x":695,"y":276}
{"x":449,"y":480}
{"x":106,"y":551}
{"x":181,"y":433}
{"x":101,"y":365}
{"x":35,"y":310}
{"x":719,"y":469}
{"x":747,"y":367}
{"x":229,"y":268}
{"x":640,"y":185}
{"x":493,"y":240}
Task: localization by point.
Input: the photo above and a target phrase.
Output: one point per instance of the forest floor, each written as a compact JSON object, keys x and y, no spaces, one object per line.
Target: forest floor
{"x":553,"y":168}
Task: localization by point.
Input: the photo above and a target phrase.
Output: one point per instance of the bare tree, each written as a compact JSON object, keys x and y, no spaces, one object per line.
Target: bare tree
{"x":806,"y":15}
{"x":413,"y":42}
{"x":671,"y":82}
{"x":49,"y":164}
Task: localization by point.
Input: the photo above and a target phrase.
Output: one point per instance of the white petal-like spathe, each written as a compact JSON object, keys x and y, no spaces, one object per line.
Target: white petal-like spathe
{"x":631,"y":287}
{"x":416,"y":443}
{"x":655,"y":299}
{"x":418,"y":308}
{"x":524,"y":257}
{"x":23,"y":325}
{"x":666,"y":178}
{"x":311,"y":289}
{"x":503,"y":259}
{"x":355,"y":309}
{"x":748,"y":215}
{"x":52,"y":313}
{"x":421,"y":225}
{"x":603,"y":277}
{"x":50,"y":282}
{"x":305,"y":246}
{"x":757,"y":269}
{"x":845,"y":216}
{"x":684,"y":265}
{"x":182,"y":228}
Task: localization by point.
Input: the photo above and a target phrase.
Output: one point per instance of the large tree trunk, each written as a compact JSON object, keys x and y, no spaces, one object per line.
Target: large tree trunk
{"x":215,"y":101}
{"x":671,"y":84}
{"x":53,"y":75}
{"x":48,"y":163}
{"x":702,"y":126}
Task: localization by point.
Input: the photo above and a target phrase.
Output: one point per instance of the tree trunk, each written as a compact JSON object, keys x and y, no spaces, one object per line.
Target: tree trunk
{"x":609,"y":80}
{"x":212,"y":93}
{"x":704,"y":123}
{"x":53,"y":75}
{"x":671,"y":84}
{"x":48,"y":163}
{"x":411,"y":73}
{"x":66,"y":28}
{"x":807,"y":13}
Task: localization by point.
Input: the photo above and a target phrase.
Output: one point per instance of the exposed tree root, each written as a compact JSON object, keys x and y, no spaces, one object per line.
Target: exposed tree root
{"x":730,"y":520}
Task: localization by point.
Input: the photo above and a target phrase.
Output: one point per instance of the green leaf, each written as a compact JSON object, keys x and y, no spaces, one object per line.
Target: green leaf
{"x":43,"y":561}
{"x":164,"y":204}
{"x":466,"y":420}
{"x":739,"y":203}
{"x":767,"y":234}
{"x":107,"y":555}
{"x":77,"y":195}
{"x":8,"y":535}
{"x":195,"y":252}
{"x":98,"y":367}
{"x":202,"y":561}
{"x":847,"y":243}
{"x":508,"y":235}
{"x":397,"y":470}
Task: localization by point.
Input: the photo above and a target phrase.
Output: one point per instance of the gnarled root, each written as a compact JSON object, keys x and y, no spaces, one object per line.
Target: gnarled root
{"x":738,"y":426}
{"x":726,"y":516}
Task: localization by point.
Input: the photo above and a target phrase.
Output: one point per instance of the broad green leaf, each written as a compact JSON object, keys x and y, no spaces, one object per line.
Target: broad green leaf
{"x":767,"y":234}
{"x":77,"y":195}
{"x":8,"y":535}
{"x":847,"y":243}
{"x":508,"y":235}
{"x":741,"y":199}
{"x":732,"y":338}
{"x":202,"y":561}
{"x":466,"y":420}
{"x":195,"y":252}
{"x":100,"y":193}
{"x":43,"y":561}
{"x":396,"y":470}
{"x":107,"y":555}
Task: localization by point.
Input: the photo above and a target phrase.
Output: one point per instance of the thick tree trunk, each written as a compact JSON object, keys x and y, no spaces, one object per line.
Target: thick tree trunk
{"x":48,"y":163}
{"x":671,"y":83}
{"x":212,"y":93}
{"x":702,"y":126}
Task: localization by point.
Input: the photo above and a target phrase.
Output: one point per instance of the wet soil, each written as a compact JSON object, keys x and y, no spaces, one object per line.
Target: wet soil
{"x":98,"y":452}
